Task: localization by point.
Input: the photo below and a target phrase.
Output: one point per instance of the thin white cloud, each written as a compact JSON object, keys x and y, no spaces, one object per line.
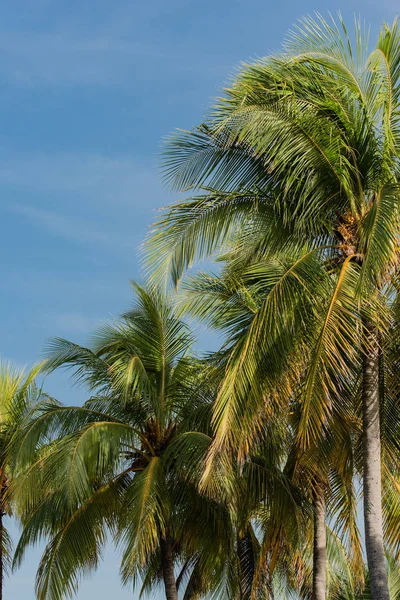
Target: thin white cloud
{"x":57,"y":58}
{"x":56,"y":281}
{"x":84,"y":198}
{"x":62,"y":225}
{"x":117,"y":179}
{"x":116,"y":53}
{"x":71,"y":323}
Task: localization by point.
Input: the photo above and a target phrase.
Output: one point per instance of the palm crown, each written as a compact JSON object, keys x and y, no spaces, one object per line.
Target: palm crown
{"x":297,"y":170}
{"x":18,"y":394}
{"x":120,"y":462}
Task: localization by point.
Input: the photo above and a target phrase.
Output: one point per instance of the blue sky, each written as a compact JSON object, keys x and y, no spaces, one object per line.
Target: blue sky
{"x":89,"y":88}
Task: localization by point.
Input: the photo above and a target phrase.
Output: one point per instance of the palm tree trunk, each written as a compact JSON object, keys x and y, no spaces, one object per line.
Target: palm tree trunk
{"x":1,"y":554}
{"x":319,"y":554}
{"x":246,"y":564}
{"x":372,"y":467}
{"x":167,"y":565}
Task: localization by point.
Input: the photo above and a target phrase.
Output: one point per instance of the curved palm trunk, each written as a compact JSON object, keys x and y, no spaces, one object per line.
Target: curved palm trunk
{"x":167,"y":565}
{"x":319,"y":553}
{"x":372,"y":468}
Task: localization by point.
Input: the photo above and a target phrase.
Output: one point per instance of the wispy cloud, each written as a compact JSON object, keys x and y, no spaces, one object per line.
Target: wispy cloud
{"x":71,"y":323}
{"x":62,"y":225}
{"x":109,"y":46}
{"x":118,"y":179}
{"x":84,"y":198}
{"x":58,"y":58}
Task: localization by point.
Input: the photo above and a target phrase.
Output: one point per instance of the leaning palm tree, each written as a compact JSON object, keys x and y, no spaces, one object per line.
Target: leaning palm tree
{"x":298,"y":171}
{"x":18,"y":393}
{"x":121,"y":462}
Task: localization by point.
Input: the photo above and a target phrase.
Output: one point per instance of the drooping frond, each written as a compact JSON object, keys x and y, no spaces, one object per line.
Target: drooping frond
{"x":145,"y":518}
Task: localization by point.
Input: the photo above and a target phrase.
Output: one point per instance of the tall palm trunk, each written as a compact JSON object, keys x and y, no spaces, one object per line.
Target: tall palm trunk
{"x":319,"y":553}
{"x":372,"y":467}
{"x":1,"y":555}
{"x":167,"y":565}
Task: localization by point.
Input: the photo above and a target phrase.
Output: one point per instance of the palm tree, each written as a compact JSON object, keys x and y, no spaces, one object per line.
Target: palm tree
{"x":18,"y":393}
{"x":324,"y":473}
{"x":347,"y":592}
{"x":125,"y":461}
{"x":298,"y":169}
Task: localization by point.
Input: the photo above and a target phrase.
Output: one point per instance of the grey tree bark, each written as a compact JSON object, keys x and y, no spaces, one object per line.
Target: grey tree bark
{"x":372,"y":467}
{"x":167,"y":565}
{"x":319,"y":552}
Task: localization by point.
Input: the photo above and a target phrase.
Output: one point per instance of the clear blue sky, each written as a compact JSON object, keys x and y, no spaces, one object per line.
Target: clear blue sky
{"x":88,"y":90}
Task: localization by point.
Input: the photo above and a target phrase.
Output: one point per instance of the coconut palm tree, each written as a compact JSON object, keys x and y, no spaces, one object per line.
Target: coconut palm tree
{"x":347,"y":592}
{"x":18,"y":393}
{"x":300,"y":159}
{"x":324,"y":474}
{"x":122,"y":461}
